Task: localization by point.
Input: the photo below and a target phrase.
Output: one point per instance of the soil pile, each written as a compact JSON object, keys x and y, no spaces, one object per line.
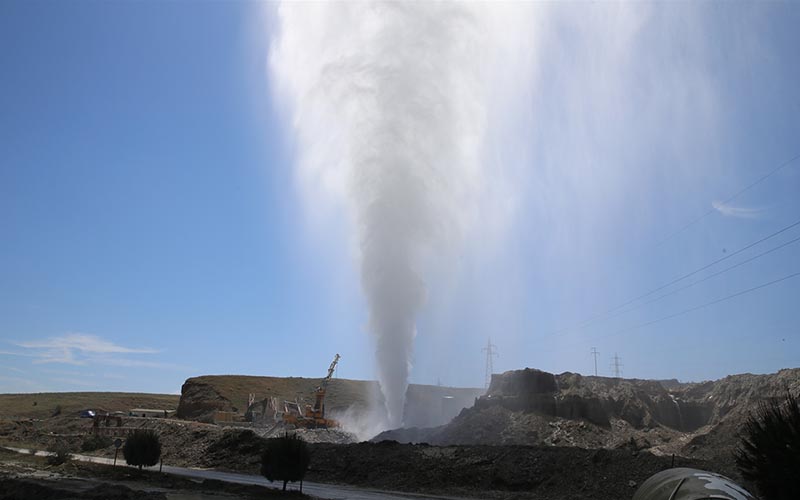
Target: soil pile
{"x":65,"y":489}
{"x":523,"y":472}
{"x":532,"y":407}
{"x":24,"y":477}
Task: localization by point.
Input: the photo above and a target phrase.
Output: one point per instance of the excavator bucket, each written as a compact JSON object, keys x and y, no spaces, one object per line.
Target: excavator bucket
{"x":314,"y":417}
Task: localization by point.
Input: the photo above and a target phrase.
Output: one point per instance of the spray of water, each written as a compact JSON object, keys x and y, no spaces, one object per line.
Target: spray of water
{"x":389,"y":104}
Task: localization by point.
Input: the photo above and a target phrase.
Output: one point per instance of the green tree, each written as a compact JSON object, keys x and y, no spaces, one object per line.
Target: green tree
{"x":285,"y":458}
{"x":143,"y":447}
{"x":769,"y":449}
{"x":59,"y":454}
{"x":95,"y":442}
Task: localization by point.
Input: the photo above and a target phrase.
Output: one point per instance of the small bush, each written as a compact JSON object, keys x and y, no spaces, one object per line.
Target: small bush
{"x":285,"y":459}
{"x":143,"y":447}
{"x":95,"y":442}
{"x":60,"y":454}
{"x":769,"y":449}
{"x":56,"y":411}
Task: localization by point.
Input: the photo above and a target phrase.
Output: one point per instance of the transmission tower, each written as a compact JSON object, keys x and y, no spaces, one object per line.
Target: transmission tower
{"x":491,"y":352}
{"x":616,"y":366}
{"x":595,"y":353}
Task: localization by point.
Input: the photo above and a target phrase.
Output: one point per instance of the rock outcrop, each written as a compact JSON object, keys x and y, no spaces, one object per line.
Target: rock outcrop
{"x":599,"y":400}
{"x":533,"y":407}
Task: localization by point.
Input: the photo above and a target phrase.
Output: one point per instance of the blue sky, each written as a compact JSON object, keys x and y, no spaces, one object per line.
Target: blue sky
{"x":152,"y":226}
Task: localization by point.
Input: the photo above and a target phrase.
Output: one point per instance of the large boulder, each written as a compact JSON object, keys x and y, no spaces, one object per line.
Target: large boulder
{"x":200,"y":399}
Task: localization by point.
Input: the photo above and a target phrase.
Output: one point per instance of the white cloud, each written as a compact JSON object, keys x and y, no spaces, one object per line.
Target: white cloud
{"x":136,"y":363}
{"x":78,"y":349}
{"x":82,"y":342}
{"x":729,"y":210}
{"x":14,"y":353}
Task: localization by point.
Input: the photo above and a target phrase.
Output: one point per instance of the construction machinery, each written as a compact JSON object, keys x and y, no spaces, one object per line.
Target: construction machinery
{"x":313,"y":417}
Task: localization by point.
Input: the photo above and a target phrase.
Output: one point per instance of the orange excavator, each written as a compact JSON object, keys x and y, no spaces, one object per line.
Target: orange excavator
{"x":314,"y":416}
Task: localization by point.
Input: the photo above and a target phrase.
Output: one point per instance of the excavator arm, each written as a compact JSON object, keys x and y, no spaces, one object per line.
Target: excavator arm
{"x":319,"y":403}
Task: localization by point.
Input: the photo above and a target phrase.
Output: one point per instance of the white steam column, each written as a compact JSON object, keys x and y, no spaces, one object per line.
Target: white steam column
{"x":389,"y":103}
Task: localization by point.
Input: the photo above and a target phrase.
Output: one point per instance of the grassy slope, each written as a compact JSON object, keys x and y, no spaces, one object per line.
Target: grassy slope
{"x":22,"y":405}
{"x":342,"y":393}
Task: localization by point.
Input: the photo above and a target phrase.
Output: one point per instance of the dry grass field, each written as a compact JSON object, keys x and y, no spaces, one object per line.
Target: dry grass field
{"x":44,"y":404}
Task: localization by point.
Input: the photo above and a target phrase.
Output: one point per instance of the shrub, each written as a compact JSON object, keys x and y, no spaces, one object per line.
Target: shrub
{"x":769,"y":449}
{"x":285,"y":459}
{"x":60,"y":454}
{"x":56,"y":411}
{"x":143,"y":447}
{"x":95,"y":442}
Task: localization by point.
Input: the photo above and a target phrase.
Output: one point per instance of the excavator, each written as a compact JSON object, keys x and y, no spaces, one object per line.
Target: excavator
{"x":314,"y":416}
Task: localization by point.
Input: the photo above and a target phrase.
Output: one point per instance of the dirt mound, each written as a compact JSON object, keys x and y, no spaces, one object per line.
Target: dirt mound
{"x":199,"y":400}
{"x":520,"y":472}
{"x":236,"y":450}
{"x":336,"y":436}
{"x":489,"y":472}
{"x":241,"y":449}
{"x":531,"y":407}
{"x":64,"y":489}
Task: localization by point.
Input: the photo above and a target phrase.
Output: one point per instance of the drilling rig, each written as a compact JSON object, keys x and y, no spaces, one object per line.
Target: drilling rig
{"x":314,"y":416}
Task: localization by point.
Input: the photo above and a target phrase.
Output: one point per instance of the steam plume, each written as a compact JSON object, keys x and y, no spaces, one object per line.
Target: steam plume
{"x":389,"y":104}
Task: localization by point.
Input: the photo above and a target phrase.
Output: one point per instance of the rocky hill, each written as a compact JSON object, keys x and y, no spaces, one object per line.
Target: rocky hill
{"x":533,"y":407}
{"x":426,"y":405}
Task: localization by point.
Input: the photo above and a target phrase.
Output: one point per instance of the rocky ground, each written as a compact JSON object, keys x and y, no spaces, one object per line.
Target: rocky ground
{"x":481,"y":471}
{"x":531,"y":407}
{"x":25,"y":477}
{"x":533,"y":435}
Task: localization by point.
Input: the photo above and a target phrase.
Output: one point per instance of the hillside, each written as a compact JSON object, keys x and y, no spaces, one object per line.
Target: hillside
{"x":204,"y":394}
{"x":532,"y":407}
{"x":43,"y":404}
{"x":425,"y":405}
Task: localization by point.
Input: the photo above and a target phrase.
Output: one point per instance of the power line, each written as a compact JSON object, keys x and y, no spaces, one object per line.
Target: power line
{"x":714,"y":275}
{"x":595,"y":353}
{"x":698,"y":307}
{"x":707,"y":304}
{"x":607,"y":312}
{"x":710,"y":264}
{"x":728,"y":200}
